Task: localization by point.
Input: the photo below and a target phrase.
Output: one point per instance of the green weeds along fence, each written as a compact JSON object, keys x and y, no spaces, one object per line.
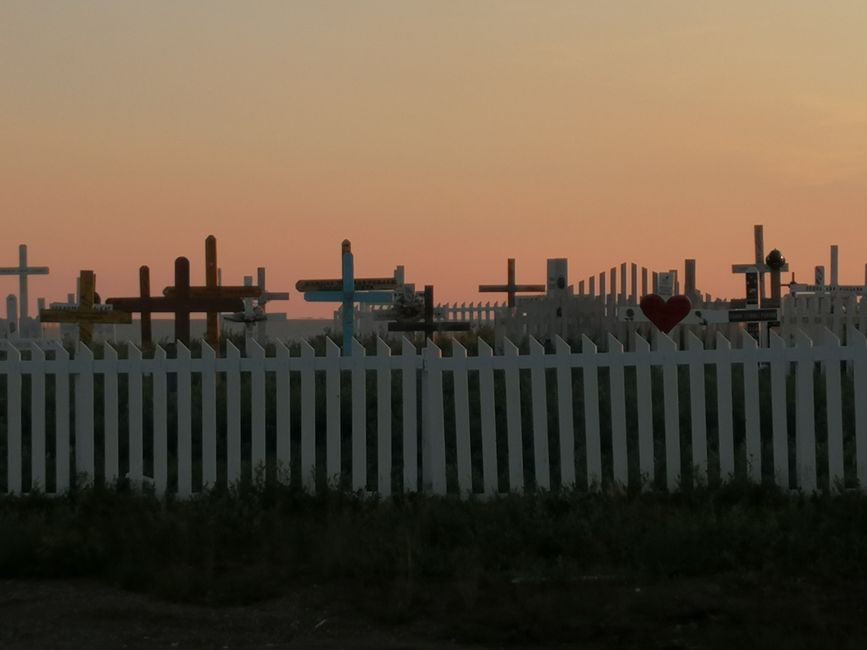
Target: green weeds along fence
{"x":401,"y":420}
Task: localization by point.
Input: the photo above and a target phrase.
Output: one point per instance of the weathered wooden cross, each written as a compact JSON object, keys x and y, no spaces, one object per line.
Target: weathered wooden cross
{"x":348,"y":290}
{"x":428,"y":325}
{"x":87,"y":312}
{"x":511,"y":288}
{"x":23,"y":271}
{"x":180,"y":300}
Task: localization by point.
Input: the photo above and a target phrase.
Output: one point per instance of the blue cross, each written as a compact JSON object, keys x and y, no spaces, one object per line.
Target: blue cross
{"x":348,"y":291}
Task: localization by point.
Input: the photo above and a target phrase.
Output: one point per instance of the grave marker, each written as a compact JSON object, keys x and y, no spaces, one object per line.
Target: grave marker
{"x":181,"y":301}
{"x":511,"y":288}
{"x":348,"y":290}
{"x":428,"y":325}
{"x":23,"y":272}
{"x":87,"y":312}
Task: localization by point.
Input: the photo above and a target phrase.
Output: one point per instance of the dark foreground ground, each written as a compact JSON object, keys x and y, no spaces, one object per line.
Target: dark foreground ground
{"x":272,"y":568}
{"x":731,"y":612}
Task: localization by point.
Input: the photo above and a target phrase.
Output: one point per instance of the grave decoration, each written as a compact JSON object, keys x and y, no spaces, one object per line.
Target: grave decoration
{"x":181,"y":301}
{"x":251,"y":314}
{"x":87,"y":312}
{"x":23,"y":272}
{"x":410,"y":320}
{"x":665,"y":314}
{"x":511,"y":288}
{"x":348,"y":290}
{"x":754,"y":278}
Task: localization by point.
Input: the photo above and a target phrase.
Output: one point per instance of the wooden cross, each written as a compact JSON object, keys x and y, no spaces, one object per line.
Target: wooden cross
{"x":348,"y":290}
{"x":265,"y":297}
{"x":22,"y":271}
{"x":87,"y":312}
{"x":428,"y":325}
{"x":180,"y":300}
{"x":511,"y":288}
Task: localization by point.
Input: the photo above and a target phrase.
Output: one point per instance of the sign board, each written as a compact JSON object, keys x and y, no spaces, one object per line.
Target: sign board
{"x":361,"y":284}
{"x":753,"y":315}
{"x":665,"y":286}
{"x":558,"y":275}
{"x":820,"y":275}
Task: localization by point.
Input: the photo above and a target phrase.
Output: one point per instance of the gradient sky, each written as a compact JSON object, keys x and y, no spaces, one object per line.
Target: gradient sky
{"x":445,"y":136}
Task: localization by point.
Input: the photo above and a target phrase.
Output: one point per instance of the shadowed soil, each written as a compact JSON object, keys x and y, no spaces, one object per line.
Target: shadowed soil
{"x":597,"y":612}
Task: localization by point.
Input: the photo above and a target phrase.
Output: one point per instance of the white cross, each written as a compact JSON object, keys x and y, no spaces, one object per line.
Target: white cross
{"x":22,"y":271}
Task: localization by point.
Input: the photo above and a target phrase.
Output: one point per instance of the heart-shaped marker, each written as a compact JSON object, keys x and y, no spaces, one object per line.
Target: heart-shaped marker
{"x":665,"y":314}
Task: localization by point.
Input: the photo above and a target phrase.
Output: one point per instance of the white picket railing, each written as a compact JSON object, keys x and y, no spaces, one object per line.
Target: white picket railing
{"x":485,"y":423}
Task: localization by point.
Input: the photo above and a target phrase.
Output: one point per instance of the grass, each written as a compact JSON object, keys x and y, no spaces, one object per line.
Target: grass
{"x":478,"y":565}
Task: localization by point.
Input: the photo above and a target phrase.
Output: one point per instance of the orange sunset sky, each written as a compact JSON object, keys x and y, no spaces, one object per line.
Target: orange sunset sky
{"x":445,"y":136}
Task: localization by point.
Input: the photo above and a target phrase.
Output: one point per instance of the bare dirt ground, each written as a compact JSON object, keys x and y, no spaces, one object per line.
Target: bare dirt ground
{"x":681,"y":614}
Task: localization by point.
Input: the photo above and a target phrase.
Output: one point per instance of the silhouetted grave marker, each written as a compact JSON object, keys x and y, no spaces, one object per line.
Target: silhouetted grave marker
{"x":427,"y":324}
{"x":348,"y":290}
{"x":511,"y":288}
{"x":180,"y":301}
{"x":87,"y":312}
{"x":23,"y":272}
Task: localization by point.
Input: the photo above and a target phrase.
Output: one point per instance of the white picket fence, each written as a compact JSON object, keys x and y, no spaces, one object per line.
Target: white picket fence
{"x":512,"y":422}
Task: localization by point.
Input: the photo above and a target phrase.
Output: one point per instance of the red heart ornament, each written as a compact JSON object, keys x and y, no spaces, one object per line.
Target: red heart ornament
{"x":665,"y":314}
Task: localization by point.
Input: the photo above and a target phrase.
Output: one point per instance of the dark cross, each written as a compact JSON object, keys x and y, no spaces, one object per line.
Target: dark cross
{"x":428,"y":325}
{"x":144,"y":285}
{"x":87,"y":312}
{"x":510,"y":287}
{"x":181,"y":301}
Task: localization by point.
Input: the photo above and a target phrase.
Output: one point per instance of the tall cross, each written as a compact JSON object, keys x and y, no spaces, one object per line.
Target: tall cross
{"x":760,"y":266}
{"x":87,"y":312}
{"x":22,"y":271}
{"x":511,"y":288}
{"x":428,"y":325}
{"x":348,"y":290}
{"x":181,"y":301}
{"x":213,"y":289}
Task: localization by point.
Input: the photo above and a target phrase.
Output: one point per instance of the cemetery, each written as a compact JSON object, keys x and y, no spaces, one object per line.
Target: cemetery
{"x":629,"y":381}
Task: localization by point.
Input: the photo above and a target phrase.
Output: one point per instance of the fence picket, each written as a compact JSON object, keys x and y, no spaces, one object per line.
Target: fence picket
{"x":308,"y":416}
{"x":752,"y":422}
{"x":698,"y":413}
{"x":591,"y":413}
{"x":258,"y":456}
{"x":565,"y":413}
{"x":209,"y":415}
{"x":110,"y":415}
{"x":136,"y":415}
{"x":408,"y":359}
{"x":618,"y":410}
{"x":13,"y":418}
{"x":779,"y":417}
{"x":859,"y":380}
{"x":433,"y":434}
{"x":160,"y":420}
{"x":514,"y":432}
{"x":233,"y":413}
{"x":724,"y":409}
{"x":185,"y":421}
{"x":462,"y":419}
{"x":283,"y":402}
{"x":834,"y":414}
{"x":383,"y":418}
{"x":83,"y":384}
{"x":332,"y":415}
{"x":488,"y":419}
{"x":671,"y":408}
{"x":37,"y":418}
{"x":645,"y":410}
{"x":805,"y":445}
{"x":540,"y":416}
